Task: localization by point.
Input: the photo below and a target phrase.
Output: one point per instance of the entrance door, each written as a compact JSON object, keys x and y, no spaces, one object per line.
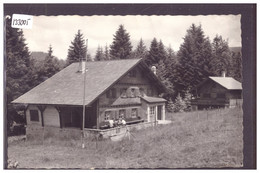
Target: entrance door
{"x":159,"y":112}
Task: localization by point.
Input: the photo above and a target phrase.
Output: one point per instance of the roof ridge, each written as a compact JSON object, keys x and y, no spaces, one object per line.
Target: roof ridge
{"x":111,"y":60}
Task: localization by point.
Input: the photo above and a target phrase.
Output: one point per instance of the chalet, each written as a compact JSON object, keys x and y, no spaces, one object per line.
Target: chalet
{"x":218,"y":92}
{"x":116,"y":89}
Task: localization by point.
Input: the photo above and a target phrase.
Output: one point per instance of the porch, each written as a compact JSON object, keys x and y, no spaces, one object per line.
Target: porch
{"x":119,"y":131}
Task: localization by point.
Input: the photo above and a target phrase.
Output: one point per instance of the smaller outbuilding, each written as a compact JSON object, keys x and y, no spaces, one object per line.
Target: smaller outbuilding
{"x":218,"y":92}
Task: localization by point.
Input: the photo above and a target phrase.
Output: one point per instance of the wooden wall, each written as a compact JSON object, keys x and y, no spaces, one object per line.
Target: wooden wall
{"x":141,"y":81}
{"x":29,"y":122}
{"x":50,"y":116}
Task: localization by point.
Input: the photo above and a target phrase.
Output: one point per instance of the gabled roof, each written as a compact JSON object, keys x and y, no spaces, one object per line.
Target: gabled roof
{"x":227,"y":82}
{"x":66,"y":87}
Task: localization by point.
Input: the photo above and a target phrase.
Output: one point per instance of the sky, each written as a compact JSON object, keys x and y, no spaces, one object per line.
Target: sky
{"x":59,"y":31}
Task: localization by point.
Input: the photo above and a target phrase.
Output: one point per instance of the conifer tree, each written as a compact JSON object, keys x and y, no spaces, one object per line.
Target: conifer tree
{"x":99,"y":54}
{"x":106,"y":54}
{"x":121,"y":47}
{"x":18,"y":70}
{"x":140,"y":51}
{"x":152,"y":57}
{"x":221,"y":56}
{"x":194,"y":59}
{"x":49,"y":67}
{"x":170,"y":106}
{"x":77,"y":49}
{"x":236,"y":66}
{"x":187,"y":100}
{"x":179,"y":104}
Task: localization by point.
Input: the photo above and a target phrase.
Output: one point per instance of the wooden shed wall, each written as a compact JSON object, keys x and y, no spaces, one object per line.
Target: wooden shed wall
{"x":28,"y":119}
{"x":50,"y":116}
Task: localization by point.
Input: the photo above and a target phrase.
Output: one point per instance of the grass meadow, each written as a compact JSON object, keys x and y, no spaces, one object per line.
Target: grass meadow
{"x":202,"y":139}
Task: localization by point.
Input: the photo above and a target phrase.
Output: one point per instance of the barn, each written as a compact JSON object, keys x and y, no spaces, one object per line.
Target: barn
{"x":218,"y":92}
{"x":113,"y":90}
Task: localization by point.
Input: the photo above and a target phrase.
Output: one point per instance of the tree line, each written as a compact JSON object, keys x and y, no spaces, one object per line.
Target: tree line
{"x":179,"y":71}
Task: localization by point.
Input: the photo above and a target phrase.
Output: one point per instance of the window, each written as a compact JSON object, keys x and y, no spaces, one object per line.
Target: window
{"x":123,"y":92}
{"x":221,"y":95}
{"x":132,"y":92}
{"x":134,"y":113}
{"x":152,"y":110}
{"x":107,"y":115}
{"x":122,"y":113}
{"x":150,"y":92}
{"x":132,"y":73}
{"x":34,"y":115}
{"x":141,"y":92}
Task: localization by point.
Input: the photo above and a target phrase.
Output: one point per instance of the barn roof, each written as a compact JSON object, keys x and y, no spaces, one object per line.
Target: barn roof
{"x":66,"y":87}
{"x":227,"y":82}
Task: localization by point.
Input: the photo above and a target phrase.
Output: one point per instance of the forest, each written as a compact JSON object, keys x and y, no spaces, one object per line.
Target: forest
{"x":180,"y":71}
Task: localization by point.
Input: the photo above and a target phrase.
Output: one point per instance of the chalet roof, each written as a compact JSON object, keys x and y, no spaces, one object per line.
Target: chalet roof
{"x":227,"y":82}
{"x":153,"y":99}
{"x":66,"y":87}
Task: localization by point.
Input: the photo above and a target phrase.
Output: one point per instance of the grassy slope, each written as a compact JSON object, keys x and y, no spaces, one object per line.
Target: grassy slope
{"x":196,"y":139}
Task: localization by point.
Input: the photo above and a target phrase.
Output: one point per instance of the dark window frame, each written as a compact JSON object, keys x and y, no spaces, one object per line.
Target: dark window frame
{"x":124,"y":113}
{"x":107,"y":115}
{"x":134,"y":112}
{"x":142,"y":92}
{"x":132,"y":92}
{"x":123,"y":92}
{"x":34,"y":115}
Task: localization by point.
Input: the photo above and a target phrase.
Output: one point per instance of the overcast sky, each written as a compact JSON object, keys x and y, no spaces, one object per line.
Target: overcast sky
{"x":59,"y":31}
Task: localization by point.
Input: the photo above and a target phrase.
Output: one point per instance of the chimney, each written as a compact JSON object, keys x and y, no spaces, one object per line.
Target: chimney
{"x":153,"y":68}
{"x":82,"y":66}
{"x":223,"y":74}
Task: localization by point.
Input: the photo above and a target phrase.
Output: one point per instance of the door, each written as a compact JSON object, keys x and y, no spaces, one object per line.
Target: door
{"x":159,"y":112}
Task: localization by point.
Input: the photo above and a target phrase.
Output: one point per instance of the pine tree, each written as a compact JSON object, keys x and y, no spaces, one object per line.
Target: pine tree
{"x":77,"y":49}
{"x":89,"y":57}
{"x":162,"y":71}
{"x":187,"y":100}
{"x":121,"y":47}
{"x":170,"y":74}
{"x":170,"y":106}
{"x":18,"y":70}
{"x":221,"y":56}
{"x":194,"y":59}
{"x":140,"y":51}
{"x":106,"y":54}
{"x":152,"y":57}
{"x":50,"y":66}
{"x":236,"y":66}
{"x":99,"y":54}
{"x":179,"y":104}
